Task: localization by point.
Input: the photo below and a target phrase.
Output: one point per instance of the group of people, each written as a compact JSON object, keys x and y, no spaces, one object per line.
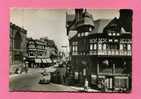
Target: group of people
{"x":22,"y":68}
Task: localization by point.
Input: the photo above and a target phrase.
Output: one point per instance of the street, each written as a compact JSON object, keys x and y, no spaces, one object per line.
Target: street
{"x":29,"y":82}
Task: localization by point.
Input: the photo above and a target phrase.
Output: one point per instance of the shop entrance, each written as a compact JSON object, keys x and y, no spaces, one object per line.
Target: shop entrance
{"x":109,"y":82}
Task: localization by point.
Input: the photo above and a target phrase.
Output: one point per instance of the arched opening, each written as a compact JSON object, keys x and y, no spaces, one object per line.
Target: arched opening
{"x":17,"y":41}
{"x":17,"y":48}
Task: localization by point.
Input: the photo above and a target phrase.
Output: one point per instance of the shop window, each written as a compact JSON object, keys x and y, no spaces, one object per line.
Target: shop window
{"x":76,"y":75}
{"x":110,"y":40}
{"x":121,"y":83}
{"x":116,"y":40}
{"x":82,"y":34}
{"x":31,"y":54}
{"x":74,"y":48}
{"x":124,"y":46}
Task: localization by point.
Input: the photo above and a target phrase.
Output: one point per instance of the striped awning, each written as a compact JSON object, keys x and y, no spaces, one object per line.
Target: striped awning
{"x":48,"y":60}
{"x":44,"y":61}
{"x":38,"y":61}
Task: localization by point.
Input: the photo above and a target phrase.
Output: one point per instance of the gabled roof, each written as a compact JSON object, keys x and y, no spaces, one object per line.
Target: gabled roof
{"x":100,"y":24}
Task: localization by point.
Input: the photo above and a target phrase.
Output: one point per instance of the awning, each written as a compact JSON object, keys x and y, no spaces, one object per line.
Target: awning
{"x":44,"y":61}
{"x":48,"y":60}
{"x":55,"y":61}
{"x":50,"y":69}
{"x":37,"y":60}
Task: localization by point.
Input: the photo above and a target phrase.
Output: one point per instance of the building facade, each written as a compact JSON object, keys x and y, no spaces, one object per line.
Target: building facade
{"x":39,"y":52}
{"x":17,"y":44}
{"x":100,"y":50}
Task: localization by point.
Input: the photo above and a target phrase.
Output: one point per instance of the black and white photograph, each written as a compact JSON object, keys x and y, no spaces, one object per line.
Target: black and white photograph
{"x":70,"y":50}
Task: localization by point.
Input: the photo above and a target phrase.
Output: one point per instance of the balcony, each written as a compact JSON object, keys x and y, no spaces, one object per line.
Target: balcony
{"x":75,"y":53}
{"x":114,"y":52}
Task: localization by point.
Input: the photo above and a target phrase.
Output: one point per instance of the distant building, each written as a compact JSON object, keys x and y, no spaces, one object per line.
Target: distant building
{"x":39,"y":51}
{"x":17,"y":44}
{"x":100,"y":50}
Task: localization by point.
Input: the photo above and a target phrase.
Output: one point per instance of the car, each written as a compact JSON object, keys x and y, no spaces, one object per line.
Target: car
{"x":45,"y":78}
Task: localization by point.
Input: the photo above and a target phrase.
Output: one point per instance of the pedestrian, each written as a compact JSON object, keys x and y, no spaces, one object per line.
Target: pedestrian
{"x":86,"y":85}
{"x":16,"y":70}
{"x":103,"y":85}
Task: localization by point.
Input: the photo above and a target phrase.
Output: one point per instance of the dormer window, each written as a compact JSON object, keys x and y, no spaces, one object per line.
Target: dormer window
{"x":90,"y":29}
{"x":86,"y":33}
{"x":117,"y":34}
{"x":78,"y":35}
{"x":82,"y":34}
{"x":110,"y":40}
{"x":110,"y":34}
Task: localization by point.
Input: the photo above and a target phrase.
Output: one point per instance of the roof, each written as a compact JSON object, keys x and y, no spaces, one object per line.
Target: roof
{"x":70,"y":17}
{"x":100,"y":24}
{"x":14,"y":26}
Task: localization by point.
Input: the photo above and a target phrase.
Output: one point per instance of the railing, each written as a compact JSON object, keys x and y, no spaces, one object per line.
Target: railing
{"x":75,"y":53}
{"x":107,"y":52}
{"x":114,"y":52}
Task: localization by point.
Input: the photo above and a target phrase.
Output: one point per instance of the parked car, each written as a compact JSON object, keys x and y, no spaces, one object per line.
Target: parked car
{"x":45,"y":77}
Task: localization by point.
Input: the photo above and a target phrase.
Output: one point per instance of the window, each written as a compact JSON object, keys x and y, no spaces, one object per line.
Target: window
{"x":114,"y":34}
{"x":104,"y":46}
{"x":91,"y":46}
{"x":95,"y":47}
{"x":116,"y":40}
{"x":99,"y":46}
{"x":78,"y":35}
{"x":121,"y":46}
{"x":90,"y":29}
{"x":110,"y":34}
{"x":129,"y":47}
{"x":86,"y":33}
{"x":75,"y":46}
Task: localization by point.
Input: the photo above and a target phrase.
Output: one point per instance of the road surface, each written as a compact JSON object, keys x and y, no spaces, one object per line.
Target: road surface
{"x":29,"y":82}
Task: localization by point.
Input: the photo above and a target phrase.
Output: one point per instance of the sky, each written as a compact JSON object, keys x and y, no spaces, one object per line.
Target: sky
{"x":51,"y":22}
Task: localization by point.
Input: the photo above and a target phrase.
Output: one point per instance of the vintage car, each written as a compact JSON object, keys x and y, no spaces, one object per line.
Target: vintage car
{"x":45,"y":77}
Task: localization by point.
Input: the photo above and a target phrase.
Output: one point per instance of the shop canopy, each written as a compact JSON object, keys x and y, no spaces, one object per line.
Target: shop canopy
{"x":38,"y":61}
{"x":48,"y":60}
{"x":44,"y":61}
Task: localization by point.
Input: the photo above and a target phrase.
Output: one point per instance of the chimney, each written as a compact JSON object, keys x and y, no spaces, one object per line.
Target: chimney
{"x":126,"y":19}
{"x":78,"y":14}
